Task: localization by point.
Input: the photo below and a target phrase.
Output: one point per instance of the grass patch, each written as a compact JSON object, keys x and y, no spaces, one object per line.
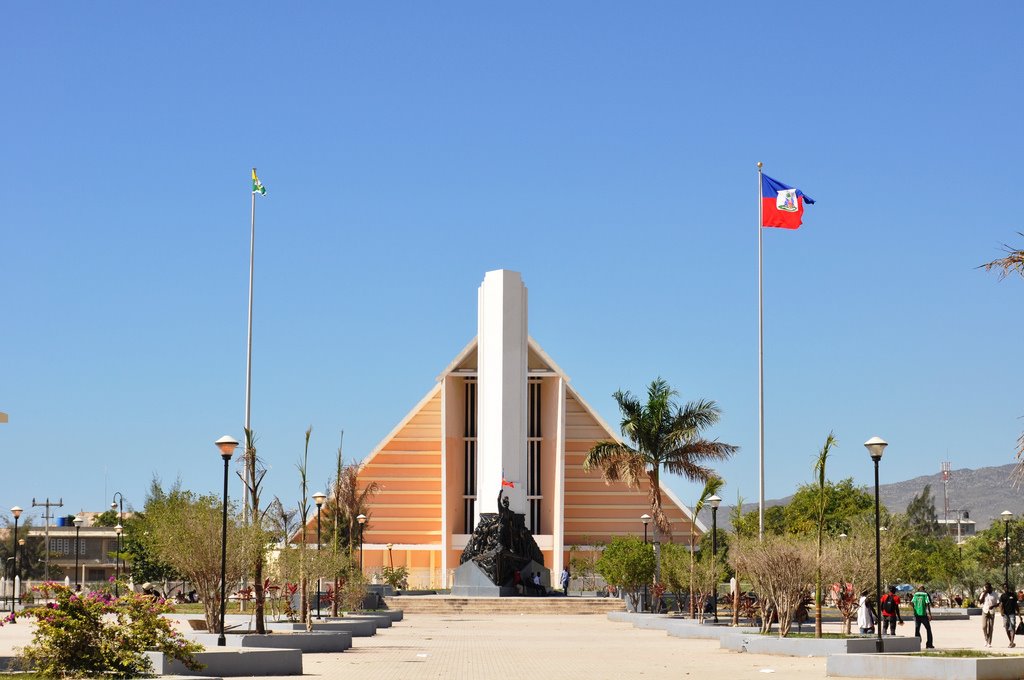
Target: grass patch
{"x":824,"y":636}
{"x":962,"y":654}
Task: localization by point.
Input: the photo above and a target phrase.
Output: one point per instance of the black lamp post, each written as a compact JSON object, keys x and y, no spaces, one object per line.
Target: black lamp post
{"x":117,"y":568}
{"x":362,"y":522}
{"x":645,"y":518}
{"x":15,"y":595}
{"x":876,"y":446}
{"x":227,"y":446}
{"x":318,"y":498}
{"x":78,"y":525}
{"x":118,"y":502}
{"x":714,"y":502}
{"x":1006,"y":515}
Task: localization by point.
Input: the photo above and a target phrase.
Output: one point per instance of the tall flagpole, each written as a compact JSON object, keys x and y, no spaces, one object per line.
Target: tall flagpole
{"x":760,"y":354}
{"x":248,"y":356}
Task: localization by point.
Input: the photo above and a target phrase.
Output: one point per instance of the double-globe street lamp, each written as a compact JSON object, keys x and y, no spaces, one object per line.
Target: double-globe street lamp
{"x":645,"y":518}
{"x":78,"y":525}
{"x":714,"y":502}
{"x":876,"y":447}
{"x":227,"y":446}
{"x":16,"y":511}
{"x":319,"y":497}
{"x":1006,"y":515}
{"x":118,"y":503}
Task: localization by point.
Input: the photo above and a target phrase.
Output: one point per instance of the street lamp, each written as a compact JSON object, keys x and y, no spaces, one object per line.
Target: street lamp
{"x":391,"y":558}
{"x":361,"y":518}
{"x":645,"y":518}
{"x":876,"y":447}
{"x":714,"y":502}
{"x":16,"y":511}
{"x":118,"y":502}
{"x":227,"y":446}
{"x":319,"y":497}
{"x":1006,"y":515}
{"x":117,"y":564}
{"x":78,"y":525}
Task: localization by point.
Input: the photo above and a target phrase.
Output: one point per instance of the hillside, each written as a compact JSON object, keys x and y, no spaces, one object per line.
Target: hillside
{"x":982,"y":493}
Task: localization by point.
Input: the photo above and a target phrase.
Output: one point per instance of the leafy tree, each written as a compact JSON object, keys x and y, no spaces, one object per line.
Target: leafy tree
{"x":780,"y":567}
{"x":921,"y":515}
{"x":185,"y":532}
{"x":107,"y":518}
{"x":660,"y":434}
{"x":627,"y":563}
{"x":31,"y":554}
{"x":675,"y":570}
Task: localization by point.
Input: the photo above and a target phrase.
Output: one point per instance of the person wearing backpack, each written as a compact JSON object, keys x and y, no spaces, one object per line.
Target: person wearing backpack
{"x":891,"y":611}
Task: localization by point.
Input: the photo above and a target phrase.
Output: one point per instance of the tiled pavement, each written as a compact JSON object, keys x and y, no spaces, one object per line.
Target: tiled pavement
{"x":478,"y":647}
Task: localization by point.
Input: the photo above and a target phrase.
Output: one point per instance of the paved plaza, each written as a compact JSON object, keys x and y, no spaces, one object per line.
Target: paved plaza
{"x":578,"y":647}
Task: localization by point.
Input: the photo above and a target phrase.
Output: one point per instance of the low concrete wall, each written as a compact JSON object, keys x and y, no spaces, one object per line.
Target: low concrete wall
{"x":923,"y":667}
{"x":228,"y":662}
{"x":317,"y":641}
{"x":755,"y":643}
{"x":382,"y":620}
{"x":357,"y":627}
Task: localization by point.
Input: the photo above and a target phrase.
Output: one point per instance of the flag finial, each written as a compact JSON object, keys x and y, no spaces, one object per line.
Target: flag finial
{"x":760,"y":165}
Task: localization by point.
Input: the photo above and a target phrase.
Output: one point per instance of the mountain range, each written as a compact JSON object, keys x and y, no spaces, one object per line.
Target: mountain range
{"x":982,"y":494}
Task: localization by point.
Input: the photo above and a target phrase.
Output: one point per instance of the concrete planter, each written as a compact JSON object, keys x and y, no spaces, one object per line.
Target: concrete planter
{"x":355,"y":627}
{"x":227,"y":662}
{"x":756,"y":643}
{"x":317,"y":641}
{"x":383,"y":620}
{"x":924,"y":667}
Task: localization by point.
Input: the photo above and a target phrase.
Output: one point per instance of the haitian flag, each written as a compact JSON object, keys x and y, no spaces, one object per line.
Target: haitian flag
{"x":781,"y":205}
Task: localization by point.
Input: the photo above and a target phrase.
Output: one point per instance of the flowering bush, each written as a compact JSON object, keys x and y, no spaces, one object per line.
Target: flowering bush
{"x":95,"y":634}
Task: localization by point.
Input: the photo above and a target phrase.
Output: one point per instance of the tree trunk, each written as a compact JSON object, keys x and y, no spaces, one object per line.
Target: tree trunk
{"x":337,"y":596}
{"x":260,"y":595}
{"x":304,"y":599}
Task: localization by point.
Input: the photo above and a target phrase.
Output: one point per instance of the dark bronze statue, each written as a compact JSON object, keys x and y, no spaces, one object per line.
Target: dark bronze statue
{"x":502,"y":544}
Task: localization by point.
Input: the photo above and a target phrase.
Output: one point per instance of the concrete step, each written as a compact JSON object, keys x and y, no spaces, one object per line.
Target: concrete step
{"x":440,"y":604}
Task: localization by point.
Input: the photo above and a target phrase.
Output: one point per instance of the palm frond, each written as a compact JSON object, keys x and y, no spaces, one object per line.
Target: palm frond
{"x":1013,"y":262}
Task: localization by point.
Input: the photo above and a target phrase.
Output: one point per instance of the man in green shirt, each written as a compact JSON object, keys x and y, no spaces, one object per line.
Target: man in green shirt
{"x":922,"y":605}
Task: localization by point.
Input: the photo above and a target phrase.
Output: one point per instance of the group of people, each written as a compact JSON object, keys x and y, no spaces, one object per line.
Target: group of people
{"x":920,"y":603}
{"x":1006,"y":603}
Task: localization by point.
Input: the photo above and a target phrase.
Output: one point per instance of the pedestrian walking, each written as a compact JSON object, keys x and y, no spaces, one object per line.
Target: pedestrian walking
{"x":891,"y":611}
{"x":1008,"y":603}
{"x":922,"y":604}
{"x":989,"y":604}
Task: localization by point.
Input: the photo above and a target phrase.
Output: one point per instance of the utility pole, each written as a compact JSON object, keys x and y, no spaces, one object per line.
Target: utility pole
{"x":46,"y":531}
{"x":945,"y":496}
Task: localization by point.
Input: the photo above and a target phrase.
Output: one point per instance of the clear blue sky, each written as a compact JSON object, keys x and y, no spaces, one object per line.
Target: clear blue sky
{"x":605,"y":150}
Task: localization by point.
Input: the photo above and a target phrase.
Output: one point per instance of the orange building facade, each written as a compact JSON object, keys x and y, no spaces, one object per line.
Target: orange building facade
{"x":430,"y":468}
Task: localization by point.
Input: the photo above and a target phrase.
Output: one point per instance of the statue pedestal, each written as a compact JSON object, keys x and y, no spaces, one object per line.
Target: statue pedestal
{"x":471,"y":581}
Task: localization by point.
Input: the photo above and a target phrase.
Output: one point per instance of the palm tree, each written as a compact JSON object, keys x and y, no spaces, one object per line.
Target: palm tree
{"x":1013,"y":262}
{"x":819,"y":470}
{"x":711,"y":488}
{"x":661,"y":434}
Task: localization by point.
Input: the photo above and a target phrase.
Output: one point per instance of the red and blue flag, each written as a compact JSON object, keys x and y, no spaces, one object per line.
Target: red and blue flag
{"x":781,"y":205}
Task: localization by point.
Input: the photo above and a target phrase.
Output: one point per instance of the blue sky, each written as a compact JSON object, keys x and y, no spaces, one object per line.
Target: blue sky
{"x":605,"y":150}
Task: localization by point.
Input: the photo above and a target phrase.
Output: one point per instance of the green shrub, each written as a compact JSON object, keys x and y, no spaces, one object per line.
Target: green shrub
{"x":94,"y":634}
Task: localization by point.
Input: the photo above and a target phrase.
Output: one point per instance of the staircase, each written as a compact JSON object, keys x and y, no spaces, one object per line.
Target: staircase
{"x":443,"y":604}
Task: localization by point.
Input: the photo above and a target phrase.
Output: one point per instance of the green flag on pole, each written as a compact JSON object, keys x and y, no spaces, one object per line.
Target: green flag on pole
{"x":257,"y":186}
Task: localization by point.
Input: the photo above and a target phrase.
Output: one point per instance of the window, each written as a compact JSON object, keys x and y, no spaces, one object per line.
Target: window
{"x":533,"y":442}
{"x":469,"y":464}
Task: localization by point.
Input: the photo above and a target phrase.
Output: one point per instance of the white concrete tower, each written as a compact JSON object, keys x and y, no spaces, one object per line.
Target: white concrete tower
{"x":501,"y":405}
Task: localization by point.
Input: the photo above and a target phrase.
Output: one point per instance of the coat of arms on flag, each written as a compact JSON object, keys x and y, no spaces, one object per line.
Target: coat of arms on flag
{"x":786,"y":200}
